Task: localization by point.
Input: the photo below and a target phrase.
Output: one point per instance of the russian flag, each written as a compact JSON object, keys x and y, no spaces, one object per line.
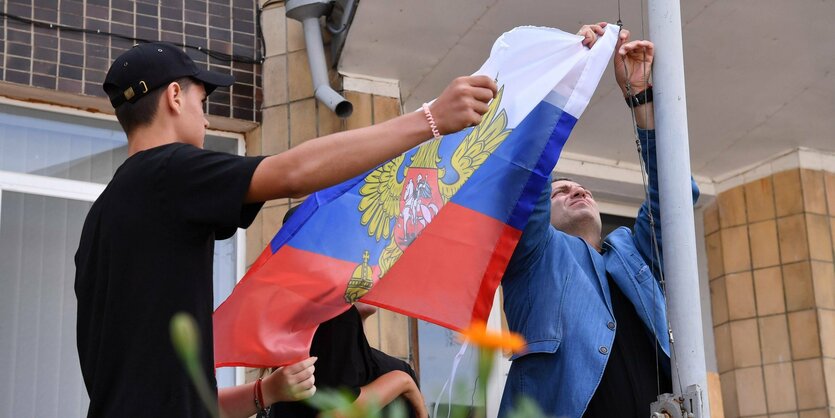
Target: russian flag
{"x":429,"y":233}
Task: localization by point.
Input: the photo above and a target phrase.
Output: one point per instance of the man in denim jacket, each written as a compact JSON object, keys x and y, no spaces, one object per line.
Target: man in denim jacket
{"x":592,"y":310}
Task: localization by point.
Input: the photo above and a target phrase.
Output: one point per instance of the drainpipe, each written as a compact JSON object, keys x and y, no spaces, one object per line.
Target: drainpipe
{"x":677,"y":227}
{"x":308,"y":12}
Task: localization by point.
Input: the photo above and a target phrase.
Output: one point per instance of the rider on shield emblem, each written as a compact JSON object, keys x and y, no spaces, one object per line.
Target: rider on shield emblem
{"x":419,"y":203}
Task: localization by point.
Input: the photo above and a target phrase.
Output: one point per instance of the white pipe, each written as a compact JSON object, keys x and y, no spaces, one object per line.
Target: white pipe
{"x":318,"y":70}
{"x":677,"y":227}
{"x":308,"y":12}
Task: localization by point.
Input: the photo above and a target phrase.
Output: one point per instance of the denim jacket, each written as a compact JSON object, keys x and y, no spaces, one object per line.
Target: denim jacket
{"x":556,"y":294}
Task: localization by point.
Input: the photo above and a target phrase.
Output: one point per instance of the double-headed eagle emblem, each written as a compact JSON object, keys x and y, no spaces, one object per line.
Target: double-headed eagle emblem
{"x":397,"y":207}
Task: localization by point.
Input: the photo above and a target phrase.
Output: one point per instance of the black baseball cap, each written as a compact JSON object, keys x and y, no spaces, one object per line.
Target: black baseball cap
{"x":148,"y":66}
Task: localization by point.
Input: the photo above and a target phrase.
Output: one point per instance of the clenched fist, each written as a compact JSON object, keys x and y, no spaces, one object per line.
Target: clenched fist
{"x":462,"y":103}
{"x":290,"y":383}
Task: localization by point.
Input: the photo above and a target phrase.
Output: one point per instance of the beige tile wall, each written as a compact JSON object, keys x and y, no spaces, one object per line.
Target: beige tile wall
{"x":291,"y":116}
{"x":772,"y":286}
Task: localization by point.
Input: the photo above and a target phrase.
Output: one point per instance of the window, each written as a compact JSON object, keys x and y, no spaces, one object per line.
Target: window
{"x":53,"y":165}
{"x":612,"y":222}
{"x":449,"y":375}
{"x":438,"y":349}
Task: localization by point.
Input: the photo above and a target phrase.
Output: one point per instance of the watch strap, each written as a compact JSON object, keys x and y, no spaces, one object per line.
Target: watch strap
{"x":643,"y":97}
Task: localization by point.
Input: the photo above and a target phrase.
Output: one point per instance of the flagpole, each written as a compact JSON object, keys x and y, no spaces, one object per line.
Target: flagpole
{"x":677,"y":225}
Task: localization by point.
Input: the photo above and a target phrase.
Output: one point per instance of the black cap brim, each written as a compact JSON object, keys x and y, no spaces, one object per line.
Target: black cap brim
{"x":212,"y":80}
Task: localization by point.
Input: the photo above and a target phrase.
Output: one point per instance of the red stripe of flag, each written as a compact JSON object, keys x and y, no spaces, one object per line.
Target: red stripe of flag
{"x":459,"y":257}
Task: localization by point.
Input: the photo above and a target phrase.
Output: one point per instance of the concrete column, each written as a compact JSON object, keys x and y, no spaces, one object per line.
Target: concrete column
{"x":772,"y":281}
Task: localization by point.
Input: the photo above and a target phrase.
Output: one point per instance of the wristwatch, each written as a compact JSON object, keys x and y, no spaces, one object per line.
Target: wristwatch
{"x":643,"y":97}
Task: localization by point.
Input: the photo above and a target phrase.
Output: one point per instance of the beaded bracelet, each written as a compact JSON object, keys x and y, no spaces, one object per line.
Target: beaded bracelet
{"x":431,"y":121}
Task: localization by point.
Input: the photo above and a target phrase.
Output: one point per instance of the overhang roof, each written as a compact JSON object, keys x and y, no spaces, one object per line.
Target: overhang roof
{"x":759,"y":73}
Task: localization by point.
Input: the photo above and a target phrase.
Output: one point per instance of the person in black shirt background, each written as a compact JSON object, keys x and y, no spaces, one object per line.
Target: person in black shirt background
{"x":348,"y":363}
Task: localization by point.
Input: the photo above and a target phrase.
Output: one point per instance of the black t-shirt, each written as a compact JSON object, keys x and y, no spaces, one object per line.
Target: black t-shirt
{"x":345,"y":362}
{"x":145,"y":254}
{"x":631,"y":380}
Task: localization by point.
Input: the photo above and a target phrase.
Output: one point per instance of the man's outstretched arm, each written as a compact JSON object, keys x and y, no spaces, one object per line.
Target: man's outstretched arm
{"x":332,"y":159}
{"x":633,"y":65}
{"x":388,"y":387}
{"x":633,"y":62}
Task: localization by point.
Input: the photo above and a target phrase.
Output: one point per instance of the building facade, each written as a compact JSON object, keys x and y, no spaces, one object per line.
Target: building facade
{"x":765,"y":232}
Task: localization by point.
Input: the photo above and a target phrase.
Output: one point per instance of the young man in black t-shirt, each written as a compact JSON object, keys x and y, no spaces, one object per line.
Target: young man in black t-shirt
{"x":146,"y":246}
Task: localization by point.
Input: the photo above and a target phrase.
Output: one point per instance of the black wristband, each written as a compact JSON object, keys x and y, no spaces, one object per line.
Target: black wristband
{"x":643,"y":97}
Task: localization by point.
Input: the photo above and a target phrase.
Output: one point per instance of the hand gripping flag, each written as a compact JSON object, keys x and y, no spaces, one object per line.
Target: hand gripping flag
{"x":429,"y":233}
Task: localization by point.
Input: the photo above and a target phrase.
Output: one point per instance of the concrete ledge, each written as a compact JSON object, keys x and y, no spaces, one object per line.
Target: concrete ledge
{"x":795,"y":158}
{"x":371,"y":85}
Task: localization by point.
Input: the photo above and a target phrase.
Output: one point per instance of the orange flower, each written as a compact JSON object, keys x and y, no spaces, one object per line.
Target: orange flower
{"x":479,"y":335}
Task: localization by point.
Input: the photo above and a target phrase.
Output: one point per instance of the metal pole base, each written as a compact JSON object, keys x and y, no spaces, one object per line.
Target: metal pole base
{"x":688,"y":405}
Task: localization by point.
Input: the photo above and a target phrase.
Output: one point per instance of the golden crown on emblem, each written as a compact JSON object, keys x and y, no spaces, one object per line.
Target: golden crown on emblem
{"x":360,"y":282}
